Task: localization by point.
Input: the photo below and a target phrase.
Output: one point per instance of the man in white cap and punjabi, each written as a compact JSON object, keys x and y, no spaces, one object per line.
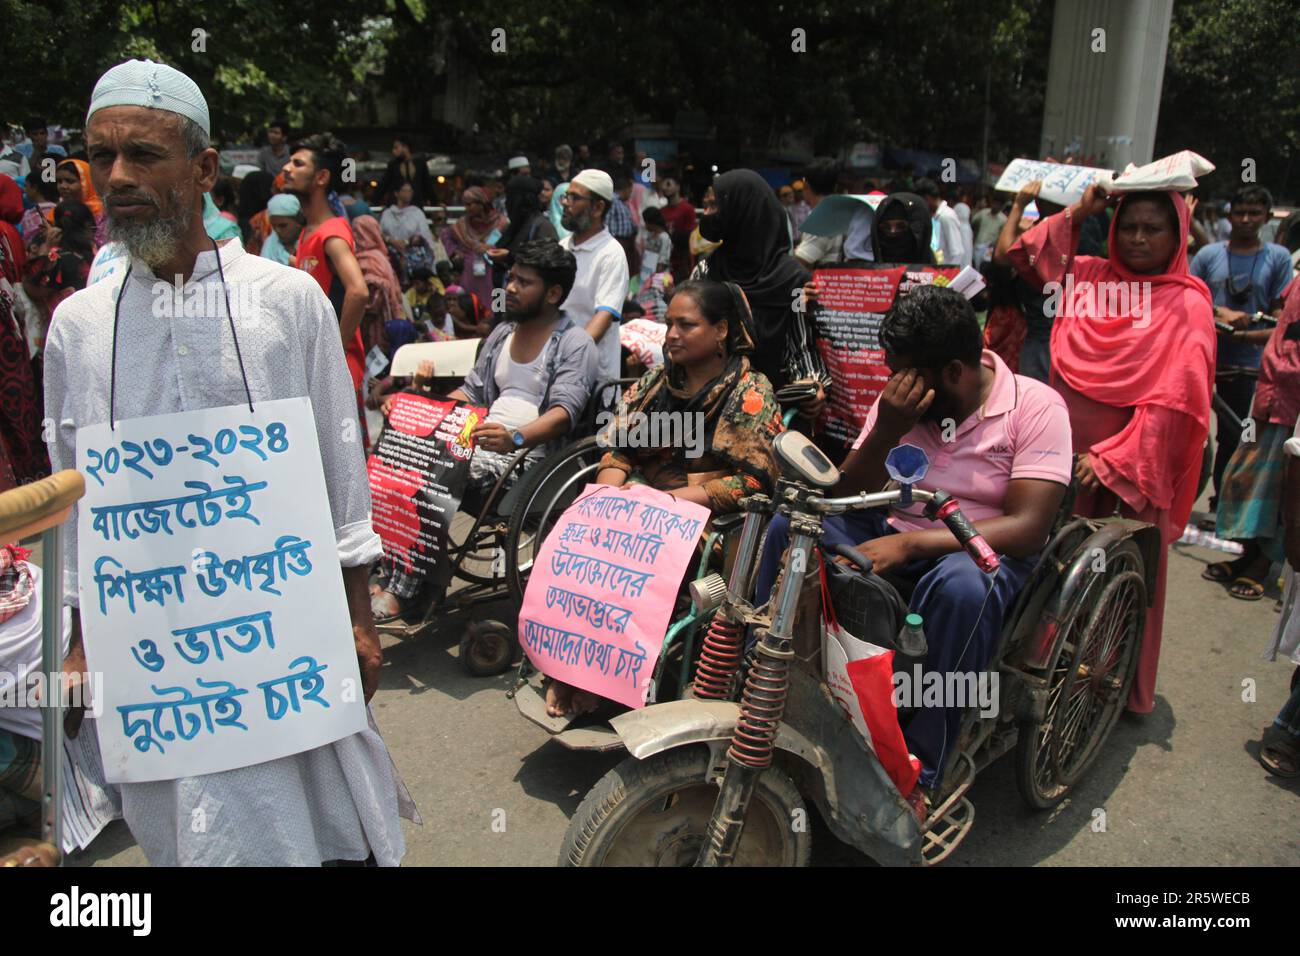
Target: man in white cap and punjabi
{"x":596,"y":300}
{"x":147,"y":141}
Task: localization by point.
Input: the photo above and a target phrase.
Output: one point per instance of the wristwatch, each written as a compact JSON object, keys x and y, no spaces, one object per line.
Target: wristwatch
{"x":517,"y":437}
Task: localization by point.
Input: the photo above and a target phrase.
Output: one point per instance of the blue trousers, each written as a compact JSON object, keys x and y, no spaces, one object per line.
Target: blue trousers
{"x":949,"y":595}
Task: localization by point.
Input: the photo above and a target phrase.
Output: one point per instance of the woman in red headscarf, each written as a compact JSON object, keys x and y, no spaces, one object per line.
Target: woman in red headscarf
{"x":22,"y":453}
{"x":1133,"y":356}
{"x":73,"y":178}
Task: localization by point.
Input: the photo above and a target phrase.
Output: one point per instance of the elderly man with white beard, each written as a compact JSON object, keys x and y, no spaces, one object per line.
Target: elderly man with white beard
{"x":147,"y":140}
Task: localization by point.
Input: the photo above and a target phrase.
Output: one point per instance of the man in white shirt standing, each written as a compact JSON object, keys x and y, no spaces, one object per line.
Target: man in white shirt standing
{"x":952,"y":247}
{"x":820,"y":179}
{"x":147,"y":140}
{"x":595,"y":302}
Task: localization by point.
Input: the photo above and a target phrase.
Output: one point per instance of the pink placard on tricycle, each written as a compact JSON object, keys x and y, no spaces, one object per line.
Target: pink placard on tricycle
{"x":603,"y":586}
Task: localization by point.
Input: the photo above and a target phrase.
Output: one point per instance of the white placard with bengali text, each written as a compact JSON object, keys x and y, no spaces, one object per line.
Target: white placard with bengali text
{"x":211,"y":595}
{"x":1063,"y":183}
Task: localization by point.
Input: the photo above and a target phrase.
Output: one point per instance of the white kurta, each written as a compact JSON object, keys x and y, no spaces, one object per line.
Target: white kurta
{"x":336,"y":802}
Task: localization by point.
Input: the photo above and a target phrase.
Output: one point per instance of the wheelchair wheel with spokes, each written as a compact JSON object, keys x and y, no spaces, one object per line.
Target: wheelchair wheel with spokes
{"x":1100,"y":674}
{"x":1089,"y":673}
{"x":546,"y":490}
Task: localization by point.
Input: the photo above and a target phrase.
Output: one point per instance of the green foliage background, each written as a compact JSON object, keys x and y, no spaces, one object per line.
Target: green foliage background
{"x":904,"y":72}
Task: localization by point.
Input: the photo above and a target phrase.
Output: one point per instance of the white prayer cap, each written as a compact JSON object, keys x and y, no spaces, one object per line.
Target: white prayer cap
{"x":243,"y":169}
{"x":153,"y":85}
{"x":597,"y":181}
{"x":518,"y":162}
{"x":283,"y":204}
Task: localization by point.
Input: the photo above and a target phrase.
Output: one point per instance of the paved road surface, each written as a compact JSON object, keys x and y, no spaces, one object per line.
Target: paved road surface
{"x":1180,"y":786}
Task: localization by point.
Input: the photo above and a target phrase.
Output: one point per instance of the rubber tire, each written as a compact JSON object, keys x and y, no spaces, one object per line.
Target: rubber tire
{"x":626,"y":790}
{"x":1026,"y":755}
{"x":498,"y":637}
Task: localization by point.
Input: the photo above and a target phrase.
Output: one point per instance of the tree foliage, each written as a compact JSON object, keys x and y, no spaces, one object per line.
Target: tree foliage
{"x":901,"y":72}
{"x":1232,"y":90}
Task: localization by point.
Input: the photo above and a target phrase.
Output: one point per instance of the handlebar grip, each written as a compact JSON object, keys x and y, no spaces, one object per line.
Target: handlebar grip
{"x":950,"y":513}
{"x":860,"y":560}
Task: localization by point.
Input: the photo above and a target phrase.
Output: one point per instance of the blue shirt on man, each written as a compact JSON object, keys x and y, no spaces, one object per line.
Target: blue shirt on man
{"x":1259,"y":279}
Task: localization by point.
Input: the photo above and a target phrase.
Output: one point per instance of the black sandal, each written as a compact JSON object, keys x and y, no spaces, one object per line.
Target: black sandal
{"x":1221,"y":572}
{"x":1278,"y":748}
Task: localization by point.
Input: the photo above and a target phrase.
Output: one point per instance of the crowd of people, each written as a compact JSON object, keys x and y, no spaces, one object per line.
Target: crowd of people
{"x":576,"y":272}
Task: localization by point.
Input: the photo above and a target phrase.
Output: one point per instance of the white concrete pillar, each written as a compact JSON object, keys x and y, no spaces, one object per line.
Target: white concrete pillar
{"x":1103,"y":80}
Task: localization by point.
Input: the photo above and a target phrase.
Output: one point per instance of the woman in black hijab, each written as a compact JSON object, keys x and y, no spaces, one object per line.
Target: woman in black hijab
{"x":753,"y":228}
{"x":527,"y":222}
{"x":903,"y":229}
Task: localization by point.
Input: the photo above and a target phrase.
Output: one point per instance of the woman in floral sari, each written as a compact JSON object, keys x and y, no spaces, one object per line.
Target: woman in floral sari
{"x":707,"y":371}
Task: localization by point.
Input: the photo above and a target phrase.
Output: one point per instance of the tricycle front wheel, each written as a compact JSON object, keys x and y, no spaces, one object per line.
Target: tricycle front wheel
{"x":655,"y":812}
{"x":487,"y":648}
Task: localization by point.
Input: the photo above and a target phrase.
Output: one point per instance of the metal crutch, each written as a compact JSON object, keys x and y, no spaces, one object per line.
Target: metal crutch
{"x":42,"y":507}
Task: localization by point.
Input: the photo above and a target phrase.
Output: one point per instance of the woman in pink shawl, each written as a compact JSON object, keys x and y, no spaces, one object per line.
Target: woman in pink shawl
{"x":1133,"y":356}
{"x":385,"y":303}
{"x":472,"y":236}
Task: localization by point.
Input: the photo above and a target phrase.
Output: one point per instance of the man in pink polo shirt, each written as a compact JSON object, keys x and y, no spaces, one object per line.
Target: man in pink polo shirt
{"x":998,"y":442}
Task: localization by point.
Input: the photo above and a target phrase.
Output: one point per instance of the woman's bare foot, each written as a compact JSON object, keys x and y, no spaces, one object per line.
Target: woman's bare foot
{"x":384,"y":604}
{"x":559,"y":698}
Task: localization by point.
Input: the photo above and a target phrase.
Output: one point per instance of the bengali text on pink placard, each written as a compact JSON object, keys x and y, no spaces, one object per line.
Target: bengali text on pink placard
{"x":603,"y":586}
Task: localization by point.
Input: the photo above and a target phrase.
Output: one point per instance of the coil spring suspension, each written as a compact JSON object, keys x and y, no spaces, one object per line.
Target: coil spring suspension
{"x":761,"y":707}
{"x":719,"y":659}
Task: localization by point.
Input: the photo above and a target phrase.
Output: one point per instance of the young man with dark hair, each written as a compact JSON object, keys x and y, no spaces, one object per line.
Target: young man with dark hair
{"x":535,"y":373}
{"x":952,"y":245}
{"x":621,"y":221}
{"x":997,"y":441}
{"x":272,"y":157}
{"x":405,"y":166}
{"x":39,"y":133}
{"x":326,"y":248}
{"x":1246,"y":278}
{"x":820,"y":178}
{"x":680,"y":216}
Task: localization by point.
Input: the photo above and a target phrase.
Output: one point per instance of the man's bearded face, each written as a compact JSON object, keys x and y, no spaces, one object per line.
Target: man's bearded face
{"x":149,"y":183}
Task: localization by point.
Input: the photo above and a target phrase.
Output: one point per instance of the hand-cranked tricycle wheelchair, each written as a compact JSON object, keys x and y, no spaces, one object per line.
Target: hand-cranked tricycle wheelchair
{"x":721,"y":775}
{"x":490,"y":546}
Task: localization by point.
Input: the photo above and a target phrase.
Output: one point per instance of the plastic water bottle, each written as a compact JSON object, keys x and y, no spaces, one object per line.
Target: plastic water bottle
{"x":911,"y":641}
{"x":1207,"y":539}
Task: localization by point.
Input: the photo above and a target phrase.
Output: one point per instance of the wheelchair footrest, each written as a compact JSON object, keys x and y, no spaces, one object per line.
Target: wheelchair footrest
{"x":946,"y":828}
